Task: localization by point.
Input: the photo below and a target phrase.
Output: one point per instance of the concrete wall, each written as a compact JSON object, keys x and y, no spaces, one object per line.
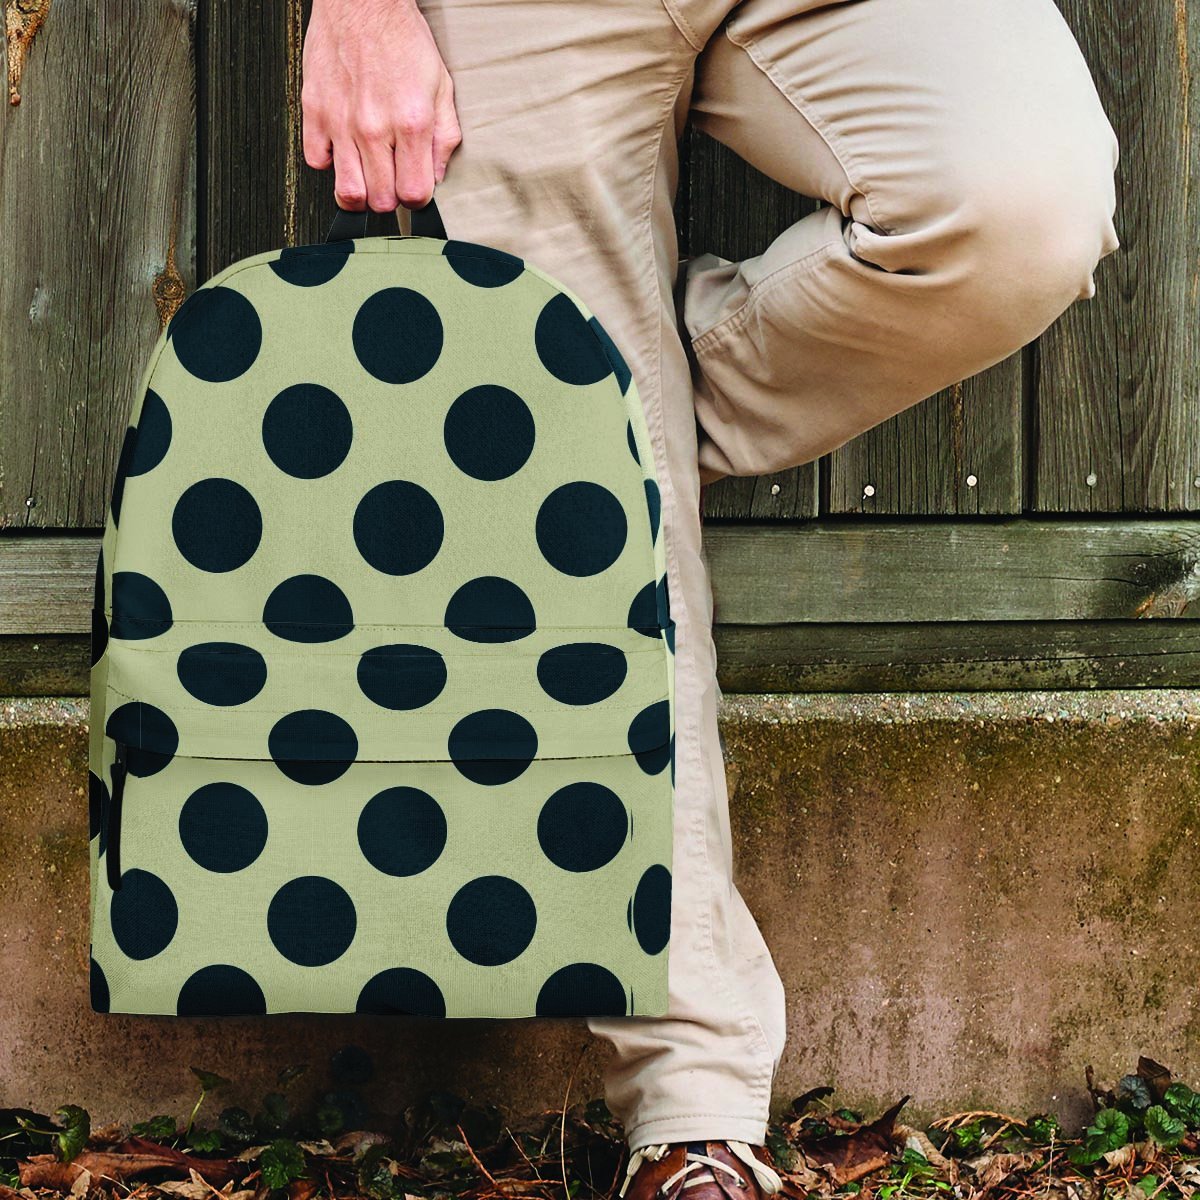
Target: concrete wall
{"x":970,"y":897}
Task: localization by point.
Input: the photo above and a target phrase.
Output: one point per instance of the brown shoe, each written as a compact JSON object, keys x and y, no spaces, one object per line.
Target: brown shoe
{"x":701,"y":1171}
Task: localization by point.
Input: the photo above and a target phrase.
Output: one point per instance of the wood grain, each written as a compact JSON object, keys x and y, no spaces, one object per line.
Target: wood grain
{"x":96,"y":198}
{"x":1118,"y":396}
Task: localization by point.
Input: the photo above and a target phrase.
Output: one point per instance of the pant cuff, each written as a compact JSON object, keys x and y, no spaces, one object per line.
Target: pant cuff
{"x":697,"y":1127}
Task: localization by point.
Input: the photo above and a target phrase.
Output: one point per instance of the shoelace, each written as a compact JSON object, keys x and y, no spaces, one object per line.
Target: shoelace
{"x":768,"y":1179}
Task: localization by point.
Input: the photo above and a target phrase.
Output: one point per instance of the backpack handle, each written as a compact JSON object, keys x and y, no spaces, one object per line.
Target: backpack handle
{"x":347,"y":225}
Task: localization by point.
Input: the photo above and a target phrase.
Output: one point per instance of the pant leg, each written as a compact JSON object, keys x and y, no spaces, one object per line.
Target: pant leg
{"x":569,"y":111}
{"x":968,"y":167}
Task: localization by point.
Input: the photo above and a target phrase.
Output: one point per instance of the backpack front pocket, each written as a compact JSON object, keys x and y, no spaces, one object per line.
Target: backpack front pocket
{"x":506,"y":859}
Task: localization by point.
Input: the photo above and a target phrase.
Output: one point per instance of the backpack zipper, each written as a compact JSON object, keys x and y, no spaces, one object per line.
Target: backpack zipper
{"x":113,"y":851}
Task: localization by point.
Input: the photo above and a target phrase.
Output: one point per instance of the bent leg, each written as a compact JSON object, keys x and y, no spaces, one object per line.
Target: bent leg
{"x":968,"y":165}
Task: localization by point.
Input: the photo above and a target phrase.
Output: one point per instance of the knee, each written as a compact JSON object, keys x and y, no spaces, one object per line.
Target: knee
{"x":1023,"y":240}
{"x":1009,"y":239}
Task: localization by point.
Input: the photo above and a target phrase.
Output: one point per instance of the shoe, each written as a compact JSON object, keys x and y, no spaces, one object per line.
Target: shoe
{"x":701,"y":1171}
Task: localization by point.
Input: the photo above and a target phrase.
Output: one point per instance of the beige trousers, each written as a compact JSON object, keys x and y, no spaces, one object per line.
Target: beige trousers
{"x":968,"y":169}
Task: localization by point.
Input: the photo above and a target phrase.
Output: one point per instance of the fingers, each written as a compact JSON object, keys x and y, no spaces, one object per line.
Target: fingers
{"x":413,"y":160}
{"x":350,"y":187}
{"x":318,"y":149}
{"x":379,"y":170}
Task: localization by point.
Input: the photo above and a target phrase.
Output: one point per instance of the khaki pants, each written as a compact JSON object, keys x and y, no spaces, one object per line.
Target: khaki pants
{"x":968,"y":169}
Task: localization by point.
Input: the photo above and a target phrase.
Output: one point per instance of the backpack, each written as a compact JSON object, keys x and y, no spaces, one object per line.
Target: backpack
{"x":382,"y":690}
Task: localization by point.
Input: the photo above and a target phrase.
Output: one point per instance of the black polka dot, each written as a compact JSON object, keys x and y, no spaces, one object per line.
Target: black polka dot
{"x":398,"y":527}
{"x":484,"y":266}
{"x":616,"y":359}
{"x":632,"y":442}
{"x":401,"y":677}
{"x":402,"y":831}
{"x":402,"y":991}
{"x":223,"y":827}
{"x":491,"y":920}
{"x":654,"y":504}
{"x":492,"y":746}
{"x":650,"y":912}
{"x":582,"y":990}
{"x":124,"y":459}
{"x":582,"y":826}
{"x":643,"y":612}
{"x":307,"y":431}
{"x":217,"y":525}
{"x":649,"y":734}
{"x":311,"y":921}
{"x":490,"y":609}
{"x":143,"y":726}
{"x":662,"y":605}
{"x":310,"y":266}
{"x":98,"y":988}
{"x":153,"y":434}
{"x":216,"y":334}
{"x":567,"y":345}
{"x":222,"y":672}
{"x":97,"y":807}
{"x":489,"y":432}
{"x":582,"y":672}
{"x":398,"y":335}
{"x":140,"y":608}
{"x":312,"y":746}
{"x":98,"y":642}
{"x":143,"y":915}
{"x":308,"y":608}
{"x":220,"y":990}
{"x":581,"y":528}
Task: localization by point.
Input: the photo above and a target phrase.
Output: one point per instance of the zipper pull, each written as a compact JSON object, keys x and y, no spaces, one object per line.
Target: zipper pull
{"x":112,"y":853}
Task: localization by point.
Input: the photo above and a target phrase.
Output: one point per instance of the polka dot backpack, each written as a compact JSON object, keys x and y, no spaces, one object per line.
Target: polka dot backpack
{"x":383,"y":668}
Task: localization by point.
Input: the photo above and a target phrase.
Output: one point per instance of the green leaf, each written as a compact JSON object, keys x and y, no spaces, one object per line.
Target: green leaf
{"x":237,"y":1125}
{"x":210,"y":1081}
{"x":281,"y":1162}
{"x":1043,"y":1128}
{"x":1147,"y":1184}
{"x":76,"y":1128}
{"x":1180,"y":1101}
{"x":375,"y":1177}
{"x":1110,"y":1129}
{"x":967,"y":1137}
{"x":1134,"y":1093}
{"x":1165,"y":1129}
{"x":330,"y":1119}
{"x":274,"y":1112}
{"x":205,"y":1141}
{"x":157,"y":1129}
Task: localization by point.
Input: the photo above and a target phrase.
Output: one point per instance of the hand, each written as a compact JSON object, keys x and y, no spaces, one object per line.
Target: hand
{"x":378,"y":103}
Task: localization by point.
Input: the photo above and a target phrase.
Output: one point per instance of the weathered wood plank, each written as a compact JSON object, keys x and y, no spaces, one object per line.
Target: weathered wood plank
{"x":47,"y":584}
{"x":954,"y":454}
{"x":97,"y":203}
{"x":957,"y":656}
{"x":1119,"y":383}
{"x":56,"y":665}
{"x":842,"y":572}
{"x":819,"y":657}
{"x":954,"y":571}
{"x":257,"y":192}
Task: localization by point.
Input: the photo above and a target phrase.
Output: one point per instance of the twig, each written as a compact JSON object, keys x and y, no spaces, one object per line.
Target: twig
{"x":476,"y":1160}
{"x":562,"y":1127}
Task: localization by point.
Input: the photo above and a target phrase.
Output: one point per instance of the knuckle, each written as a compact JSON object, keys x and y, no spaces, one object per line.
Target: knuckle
{"x":415,"y":120}
{"x":350,"y":195}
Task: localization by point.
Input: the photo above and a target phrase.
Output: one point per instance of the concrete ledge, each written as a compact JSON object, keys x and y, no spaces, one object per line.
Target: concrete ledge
{"x":969,"y":895}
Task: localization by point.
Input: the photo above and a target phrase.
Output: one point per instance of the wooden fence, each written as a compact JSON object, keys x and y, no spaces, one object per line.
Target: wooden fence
{"x":1034,"y":526}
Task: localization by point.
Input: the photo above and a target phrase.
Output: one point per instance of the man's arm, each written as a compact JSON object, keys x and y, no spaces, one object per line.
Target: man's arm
{"x":378,"y":103}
